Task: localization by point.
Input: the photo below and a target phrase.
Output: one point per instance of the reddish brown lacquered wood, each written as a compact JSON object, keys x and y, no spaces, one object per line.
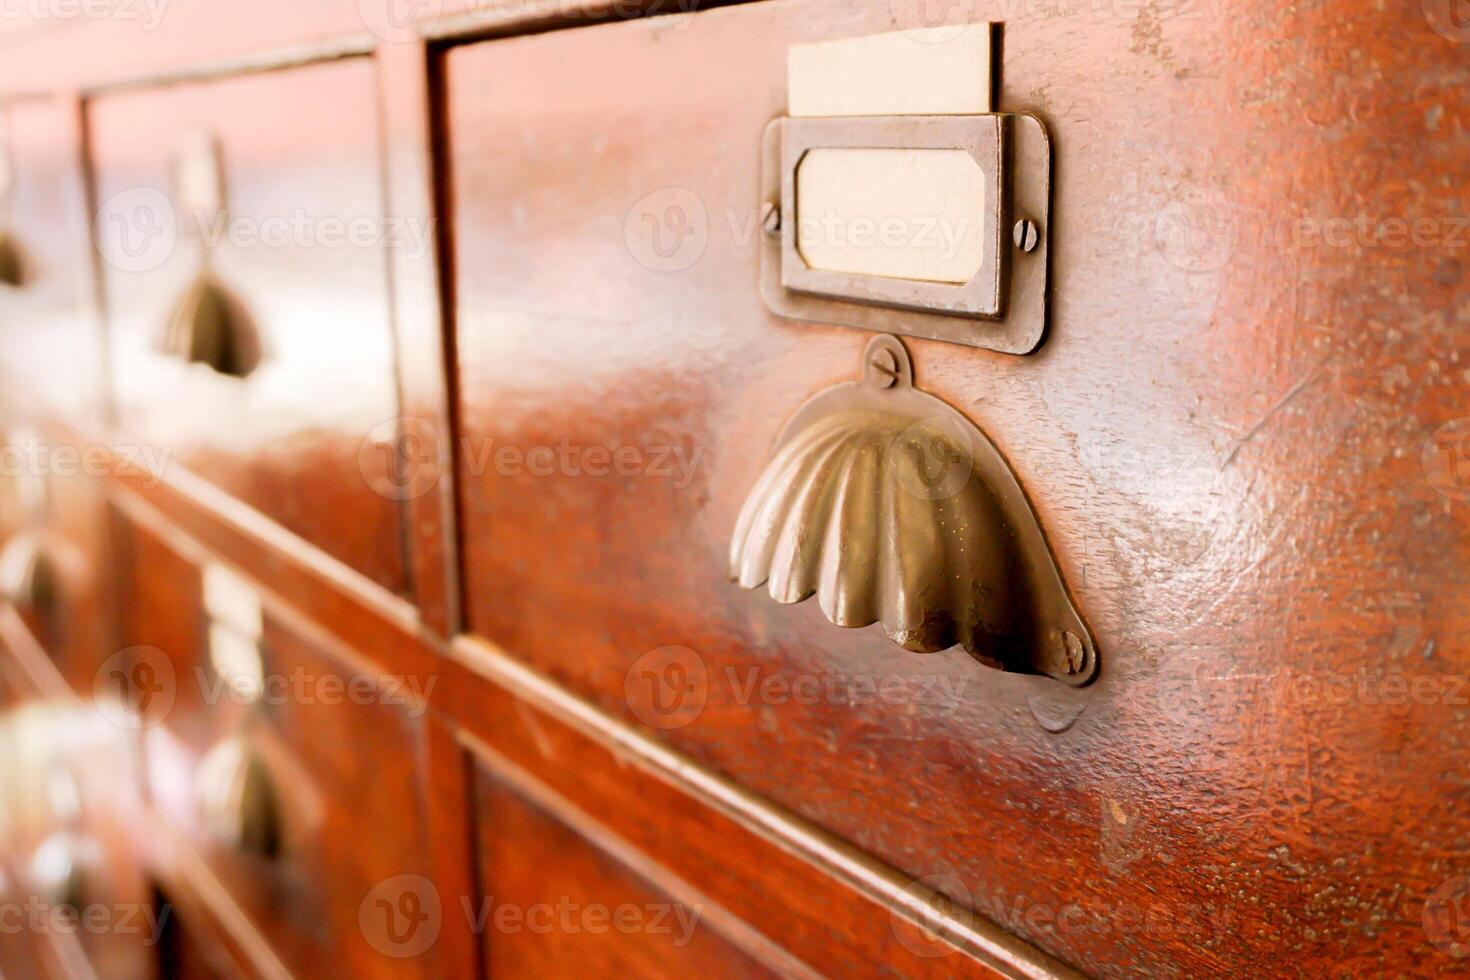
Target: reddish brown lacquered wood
{"x":159,"y":39}
{"x":303,"y":246}
{"x":778,"y":874}
{"x":553,"y":903}
{"x":422,"y":479}
{"x":340,"y":739}
{"x":1222,"y":437}
{"x":778,"y":888}
{"x":450,"y":807}
{"x":78,"y":630}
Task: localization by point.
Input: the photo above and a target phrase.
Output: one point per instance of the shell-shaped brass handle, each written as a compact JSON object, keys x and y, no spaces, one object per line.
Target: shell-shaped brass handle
{"x":210,"y":326}
{"x":27,"y":574}
{"x":893,"y":507}
{"x":238,"y":806}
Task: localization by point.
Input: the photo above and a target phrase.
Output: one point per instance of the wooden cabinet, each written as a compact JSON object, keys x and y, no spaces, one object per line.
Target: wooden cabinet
{"x":453,"y":344}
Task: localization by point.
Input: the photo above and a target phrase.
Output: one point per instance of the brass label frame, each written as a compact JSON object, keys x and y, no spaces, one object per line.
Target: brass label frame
{"x":1002,"y":308}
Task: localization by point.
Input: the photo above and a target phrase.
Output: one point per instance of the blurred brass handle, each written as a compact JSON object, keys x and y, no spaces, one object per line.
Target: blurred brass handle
{"x":210,"y":326}
{"x":238,"y":805}
{"x":62,"y":869}
{"x":12,"y":261}
{"x":27,"y":574}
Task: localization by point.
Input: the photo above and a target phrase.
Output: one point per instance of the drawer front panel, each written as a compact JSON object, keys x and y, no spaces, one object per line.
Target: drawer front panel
{"x":74,"y":887}
{"x":1178,"y":436}
{"x":334,"y":826}
{"x":300,"y":248}
{"x":78,"y":634}
{"x":554,"y":902}
{"x":48,"y":327}
{"x":53,"y":557}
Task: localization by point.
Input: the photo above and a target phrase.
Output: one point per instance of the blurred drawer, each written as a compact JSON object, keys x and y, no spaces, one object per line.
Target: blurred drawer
{"x":300,"y":790}
{"x":52,"y":552}
{"x":48,"y":330}
{"x":556,"y":902}
{"x":190,"y":944}
{"x":269,"y":187}
{"x":75,"y":894}
{"x":78,"y":631}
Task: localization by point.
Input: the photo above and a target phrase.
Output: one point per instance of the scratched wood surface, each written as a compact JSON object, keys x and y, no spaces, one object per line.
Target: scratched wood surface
{"x":1241,"y":438}
{"x":1225,"y":439}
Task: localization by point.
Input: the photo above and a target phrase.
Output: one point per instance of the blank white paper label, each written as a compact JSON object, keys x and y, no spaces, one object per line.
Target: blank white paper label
{"x":236,"y":661}
{"x":230,"y":599}
{"x":903,"y":214}
{"x":936,"y":71}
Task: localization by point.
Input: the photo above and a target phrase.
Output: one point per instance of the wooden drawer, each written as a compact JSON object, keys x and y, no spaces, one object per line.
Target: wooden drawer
{"x":1181,"y":436}
{"x":556,"y":900}
{"x":190,"y":946}
{"x":73,"y":884}
{"x":74,"y":628}
{"x":48,"y":330}
{"x":52,"y":552}
{"x":301,"y":248}
{"x":335,"y":827}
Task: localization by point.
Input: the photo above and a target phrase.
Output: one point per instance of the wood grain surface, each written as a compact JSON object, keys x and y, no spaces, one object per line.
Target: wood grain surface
{"x":1245,"y":437}
{"x":1224,"y":438}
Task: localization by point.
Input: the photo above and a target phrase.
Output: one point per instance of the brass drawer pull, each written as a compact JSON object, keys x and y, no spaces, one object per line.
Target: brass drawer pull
{"x":63,"y":867}
{"x":12,"y":261}
{"x":893,"y":507}
{"x":208,"y":325}
{"x":27,"y":575}
{"x":238,"y":805}
{"x":12,"y":257}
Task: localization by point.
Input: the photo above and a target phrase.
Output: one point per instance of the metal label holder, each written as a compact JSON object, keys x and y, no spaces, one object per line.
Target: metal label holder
{"x":1002,"y":308}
